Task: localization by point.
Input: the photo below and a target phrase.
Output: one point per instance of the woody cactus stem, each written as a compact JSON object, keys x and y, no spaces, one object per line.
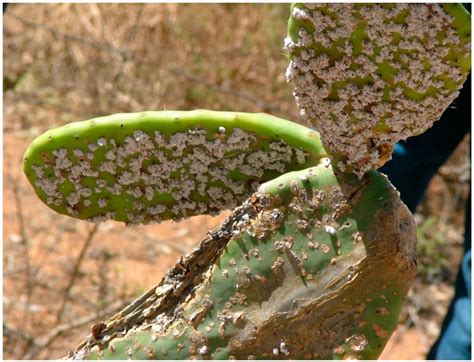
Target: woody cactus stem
{"x":313,"y":265}
{"x":153,"y":166}
{"x":369,"y":75}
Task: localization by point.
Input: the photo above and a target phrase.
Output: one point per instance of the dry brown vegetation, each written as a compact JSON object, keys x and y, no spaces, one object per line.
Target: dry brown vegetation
{"x":68,"y":62}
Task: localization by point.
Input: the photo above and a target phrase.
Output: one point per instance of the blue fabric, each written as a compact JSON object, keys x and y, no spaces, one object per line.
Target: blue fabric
{"x":455,"y":339}
{"x":414,"y":163}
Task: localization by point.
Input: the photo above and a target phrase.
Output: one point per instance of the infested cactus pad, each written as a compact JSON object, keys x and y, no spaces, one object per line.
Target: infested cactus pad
{"x":153,"y":166}
{"x":369,"y":75}
{"x":314,"y":266}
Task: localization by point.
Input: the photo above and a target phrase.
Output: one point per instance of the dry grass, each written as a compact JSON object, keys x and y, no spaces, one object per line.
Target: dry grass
{"x":124,"y":58}
{"x":68,"y":62}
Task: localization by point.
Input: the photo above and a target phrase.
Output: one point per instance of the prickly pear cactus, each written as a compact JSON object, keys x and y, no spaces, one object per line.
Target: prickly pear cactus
{"x":369,"y":75}
{"x":313,"y":265}
{"x":312,"y":262}
{"x":153,"y":166}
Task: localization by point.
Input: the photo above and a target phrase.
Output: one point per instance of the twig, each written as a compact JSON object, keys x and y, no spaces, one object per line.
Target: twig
{"x":21,"y":227}
{"x":26,"y":251}
{"x":36,"y":100}
{"x":50,"y":288}
{"x":103,"y":282}
{"x":413,"y":312}
{"x":127,"y":55}
{"x":59,"y":330}
{"x":75,"y":272}
{"x":14,"y":334}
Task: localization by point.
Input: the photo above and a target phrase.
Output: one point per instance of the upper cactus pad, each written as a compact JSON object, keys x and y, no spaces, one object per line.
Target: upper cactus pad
{"x":152,"y":166}
{"x":369,"y":75}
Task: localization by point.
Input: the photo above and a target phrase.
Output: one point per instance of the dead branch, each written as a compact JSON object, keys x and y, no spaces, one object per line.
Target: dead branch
{"x":24,"y":241}
{"x":127,"y":55}
{"x":39,"y":345}
{"x":75,"y":272}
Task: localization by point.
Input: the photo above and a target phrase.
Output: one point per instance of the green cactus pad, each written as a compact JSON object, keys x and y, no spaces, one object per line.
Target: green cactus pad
{"x":317,"y":267}
{"x":369,"y":75}
{"x":153,"y":166}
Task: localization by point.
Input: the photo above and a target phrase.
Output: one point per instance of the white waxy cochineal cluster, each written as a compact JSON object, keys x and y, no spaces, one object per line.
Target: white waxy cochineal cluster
{"x":368,"y":75}
{"x":152,"y":174}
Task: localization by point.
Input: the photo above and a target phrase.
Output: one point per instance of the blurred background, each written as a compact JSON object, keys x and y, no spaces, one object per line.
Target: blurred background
{"x":69,"y":62}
